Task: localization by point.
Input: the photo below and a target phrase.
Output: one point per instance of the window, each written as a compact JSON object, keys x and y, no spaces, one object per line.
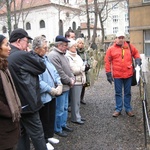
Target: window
{"x":92,"y":21}
{"x":146,"y":1}
{"x":125,"y":5}
{"x":115,"y":18}
{"x":4,"y":29}
{"x":28,"y":26}
{"x":42,"y":24}
{"x":126,"y":17}
{"x":115,"y":30}
{"x":126,"y":29}
{"x":66,"y":1}
{"x":147,"y":42}
{"x":74,"y":26}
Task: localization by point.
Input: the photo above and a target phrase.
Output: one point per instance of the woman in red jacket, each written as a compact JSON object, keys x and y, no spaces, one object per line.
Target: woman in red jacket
{"x":118,"y":63}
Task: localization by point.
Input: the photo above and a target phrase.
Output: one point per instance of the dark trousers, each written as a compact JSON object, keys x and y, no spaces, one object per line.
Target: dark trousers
{"x":31,"y":128}
{"x":82,"y":93}
{"x":47,"y":116}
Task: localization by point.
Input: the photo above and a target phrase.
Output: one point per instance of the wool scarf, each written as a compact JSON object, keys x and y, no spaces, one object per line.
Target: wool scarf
{"x":11,"y":94}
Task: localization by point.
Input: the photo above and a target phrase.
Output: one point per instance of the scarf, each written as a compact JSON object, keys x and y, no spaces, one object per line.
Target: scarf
{"x":11,"y":95}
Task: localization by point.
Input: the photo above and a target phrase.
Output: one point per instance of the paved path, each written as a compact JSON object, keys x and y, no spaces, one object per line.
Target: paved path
{"x":101,"y":131}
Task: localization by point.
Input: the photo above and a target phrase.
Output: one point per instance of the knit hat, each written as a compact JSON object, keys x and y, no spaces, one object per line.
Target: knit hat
{"x":18,"y":34}
{"x":2,"y":37}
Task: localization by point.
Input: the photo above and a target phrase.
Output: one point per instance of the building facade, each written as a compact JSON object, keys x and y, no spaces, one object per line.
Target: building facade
{"x":57,"y":16}
{"x":140,"y":25}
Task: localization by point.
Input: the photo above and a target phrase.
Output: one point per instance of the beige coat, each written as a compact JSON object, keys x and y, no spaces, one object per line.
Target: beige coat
{"x":77,"y":67}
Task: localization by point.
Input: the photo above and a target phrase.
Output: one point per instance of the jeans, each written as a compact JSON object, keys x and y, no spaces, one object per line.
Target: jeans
{"x":31,"y":127}
{"x":61,"y":111}
{"x":126,"y":85}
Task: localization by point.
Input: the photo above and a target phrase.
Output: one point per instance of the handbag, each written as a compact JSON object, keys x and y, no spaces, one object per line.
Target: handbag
{"x":134,"y":82}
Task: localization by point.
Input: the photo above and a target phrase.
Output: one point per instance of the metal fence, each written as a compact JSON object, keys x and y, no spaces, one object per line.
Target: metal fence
{"x":145,"y":97}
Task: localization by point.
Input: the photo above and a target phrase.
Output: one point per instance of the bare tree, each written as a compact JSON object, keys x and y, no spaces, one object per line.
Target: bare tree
{"x":88,"y":19}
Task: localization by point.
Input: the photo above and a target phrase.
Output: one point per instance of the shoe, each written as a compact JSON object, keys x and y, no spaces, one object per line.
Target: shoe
{"x":68,"y":129}
{"x":53,"y":140}
{"x":130,"y":114}
{"x":116,"y":114}
{"x":62,"y":134}
{"x":83,"y":102}
{"x":78,"y":122}
{"x":49,"y":146}
{"x":83,"y":119}
{"x":69,"y":109}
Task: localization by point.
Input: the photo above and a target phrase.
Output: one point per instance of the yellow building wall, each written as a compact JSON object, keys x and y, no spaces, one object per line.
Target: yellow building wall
{"x":136,"y":38}
{"x":132,"y":2}
{"x":140,"y":16}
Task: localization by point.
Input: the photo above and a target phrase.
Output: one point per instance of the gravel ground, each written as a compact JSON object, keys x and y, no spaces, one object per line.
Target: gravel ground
{"x":101,"y":131}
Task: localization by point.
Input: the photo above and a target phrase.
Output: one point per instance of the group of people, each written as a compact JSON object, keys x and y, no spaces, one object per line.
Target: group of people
{"x":36,"y":88}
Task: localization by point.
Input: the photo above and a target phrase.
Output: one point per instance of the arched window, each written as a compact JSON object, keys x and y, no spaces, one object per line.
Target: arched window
{"x":4,"y":29}
{"x":74,"y":26}
{"x":42,"y":24}
{"x":28,"y":26}
{"x":61,"y":28}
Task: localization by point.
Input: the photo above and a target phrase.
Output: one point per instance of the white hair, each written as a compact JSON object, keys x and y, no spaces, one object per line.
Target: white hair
{"x":71,"y":43}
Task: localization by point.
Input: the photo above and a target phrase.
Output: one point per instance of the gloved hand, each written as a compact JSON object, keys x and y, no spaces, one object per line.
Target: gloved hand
{"x":87,"y":67}
{"x":59,"y":89}
{"x":53,"y":91}
{"x":138,"y":61}
{"x":109,"y":77}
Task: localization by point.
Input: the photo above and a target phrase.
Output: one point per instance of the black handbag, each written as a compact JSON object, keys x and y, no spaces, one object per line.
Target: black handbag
{"x":134,"y":82}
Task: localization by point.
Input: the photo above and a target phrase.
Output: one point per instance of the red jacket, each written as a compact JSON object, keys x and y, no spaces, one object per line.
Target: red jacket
{"x":118,"y":60}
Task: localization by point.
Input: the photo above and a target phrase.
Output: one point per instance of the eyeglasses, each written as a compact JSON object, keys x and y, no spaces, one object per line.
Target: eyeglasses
{"x":25,"y":40}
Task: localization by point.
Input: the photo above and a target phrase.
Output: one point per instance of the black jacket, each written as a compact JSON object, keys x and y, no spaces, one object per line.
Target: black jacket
{"x":25,"y":68}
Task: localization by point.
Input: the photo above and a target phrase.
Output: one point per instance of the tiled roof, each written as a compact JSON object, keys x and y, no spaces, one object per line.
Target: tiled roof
{"x":25,"y":4}
{"x":30,"y":3}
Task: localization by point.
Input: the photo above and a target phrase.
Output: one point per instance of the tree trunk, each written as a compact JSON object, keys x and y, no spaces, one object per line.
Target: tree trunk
{"x":8,"y":17}
{"x":88,"y":20}
{"x":102,"y":28}
{"x":95,"y":22}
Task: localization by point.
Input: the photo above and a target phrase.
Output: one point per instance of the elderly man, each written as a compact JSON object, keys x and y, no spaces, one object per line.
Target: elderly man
{"x":61,"y":63}
{"x":118,"y":60}
{"x":25,"y":68}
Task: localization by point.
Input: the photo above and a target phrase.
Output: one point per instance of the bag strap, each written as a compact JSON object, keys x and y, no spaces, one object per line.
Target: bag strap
{"x":51,"y":77}
{"x":131,"y":54}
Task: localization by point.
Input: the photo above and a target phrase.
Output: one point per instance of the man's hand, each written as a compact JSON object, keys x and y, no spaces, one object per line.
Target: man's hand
{"x":72,"y":82}
{"x":59,"y":89}
{"x":53,"y":91}
{"x":109,"y":77}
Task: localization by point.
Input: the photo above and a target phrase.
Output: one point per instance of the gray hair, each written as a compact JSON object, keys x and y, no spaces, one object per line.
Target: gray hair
{"x":38,"y":42}
{"x":57,"y":43}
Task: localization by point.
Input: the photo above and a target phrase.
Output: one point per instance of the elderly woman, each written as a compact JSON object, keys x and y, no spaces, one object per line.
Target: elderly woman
{"x":78,"y":68}
{"x":9,"y":102}
{"x":50,"y":86}
{"x":85,"y":57}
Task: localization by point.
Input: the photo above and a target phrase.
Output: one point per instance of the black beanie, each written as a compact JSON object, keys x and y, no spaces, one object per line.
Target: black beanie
{"x":2,"y":37}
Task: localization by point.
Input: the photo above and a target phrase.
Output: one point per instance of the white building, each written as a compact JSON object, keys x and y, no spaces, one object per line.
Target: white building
{"x":43,"y":17}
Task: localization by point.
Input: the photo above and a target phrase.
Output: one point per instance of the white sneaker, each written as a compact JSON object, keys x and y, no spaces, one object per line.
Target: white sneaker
{"x":53,"y":140}
{"x":49,"y":146}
